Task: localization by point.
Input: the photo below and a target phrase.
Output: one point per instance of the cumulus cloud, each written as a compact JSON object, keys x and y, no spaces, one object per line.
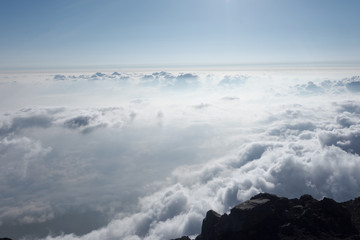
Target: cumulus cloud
{"x":19,"y":122}
{"x":85,"y":123}
{"x":353,"y":84}
{"x":349,"y":106}
{"x":346,"y":119}
{"x":185,"y":80}
{"x":187,"y":76}
{"x":346,"y":139}
{"x":95,"y":76}
{"x":292,"y":129}
{"x":87,"y":120}
{"x":233,"y":80}
{"x":77,"y":122}
{"x":59,"y":77}
{"x":310,"y":88}
{"x":170,"y":81}
{"x":165,"y":79}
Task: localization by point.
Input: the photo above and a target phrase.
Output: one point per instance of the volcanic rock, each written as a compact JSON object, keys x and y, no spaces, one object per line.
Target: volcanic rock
{"x":182,"y":238}
{"x":267,"y":217}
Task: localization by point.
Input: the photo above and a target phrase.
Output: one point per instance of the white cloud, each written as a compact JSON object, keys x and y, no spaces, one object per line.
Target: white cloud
{"x":59,"y":77}
{"x":233,"y":80}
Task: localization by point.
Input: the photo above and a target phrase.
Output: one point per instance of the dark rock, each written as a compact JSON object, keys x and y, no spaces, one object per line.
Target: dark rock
{"x":266,"y":217}
{"x":208,"y":226}
{"x":182,"y":238}
{"x":353,"y":206}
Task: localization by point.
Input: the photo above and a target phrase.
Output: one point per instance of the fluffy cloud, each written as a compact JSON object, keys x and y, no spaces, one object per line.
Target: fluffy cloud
{"x":77,"y":122}
{"x":59,"y":77}
{"x":164,"y":79}
{"x":17,"y":123}
{"x":334,"y":86}
{"x":75,"y":119}
{"x":353,"y":83}
{"x":233,"y":80}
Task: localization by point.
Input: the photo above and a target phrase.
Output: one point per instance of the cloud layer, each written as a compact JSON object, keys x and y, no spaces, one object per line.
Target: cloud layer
{"x":150,"y":153}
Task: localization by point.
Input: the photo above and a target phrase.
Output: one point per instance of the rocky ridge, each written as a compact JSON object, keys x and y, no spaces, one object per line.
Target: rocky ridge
{"x":266,"y":217}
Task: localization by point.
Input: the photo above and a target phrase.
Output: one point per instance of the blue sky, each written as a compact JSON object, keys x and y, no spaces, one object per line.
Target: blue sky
{"x":173,"y":32}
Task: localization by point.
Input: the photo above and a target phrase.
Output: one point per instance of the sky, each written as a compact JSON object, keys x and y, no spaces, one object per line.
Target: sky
{"x":160,"y":33}
{"x":131,"y":119}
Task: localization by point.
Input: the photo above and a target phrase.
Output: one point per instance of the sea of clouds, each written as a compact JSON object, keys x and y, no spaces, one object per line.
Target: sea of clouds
{"x":144,"y":155}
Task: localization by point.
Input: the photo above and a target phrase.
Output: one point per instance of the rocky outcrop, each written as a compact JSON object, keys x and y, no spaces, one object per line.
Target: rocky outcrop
{"x":266,"y":217}
{"x":182,"y":238}
{"x":353,"y":206}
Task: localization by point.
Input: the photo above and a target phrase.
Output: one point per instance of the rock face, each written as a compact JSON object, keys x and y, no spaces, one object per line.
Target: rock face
{"x":353,"y":206}
{"x":182,"y":238}
{"x":266,"y":216}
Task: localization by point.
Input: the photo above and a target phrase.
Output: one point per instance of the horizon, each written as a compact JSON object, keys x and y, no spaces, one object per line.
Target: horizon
{"x":44,"y":34}
{"x":319,"y":66}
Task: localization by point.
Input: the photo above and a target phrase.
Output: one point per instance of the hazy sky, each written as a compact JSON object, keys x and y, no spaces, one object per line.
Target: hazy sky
{"x":173,"y":32}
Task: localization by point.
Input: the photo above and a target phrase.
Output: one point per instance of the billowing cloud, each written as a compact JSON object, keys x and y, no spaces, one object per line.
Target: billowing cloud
{"x":233,"y":80}
{"x":18,"y":123}
{"x":310,"y":88}
{"x":59,"y":77}
{"x":353,"y":84}
{"x":77,"y":122}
